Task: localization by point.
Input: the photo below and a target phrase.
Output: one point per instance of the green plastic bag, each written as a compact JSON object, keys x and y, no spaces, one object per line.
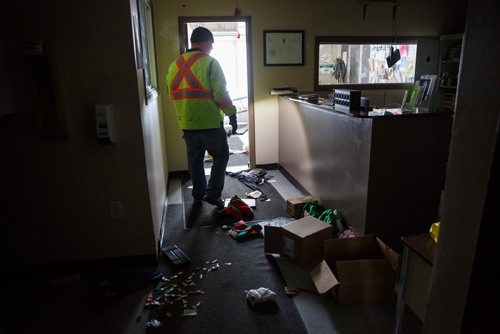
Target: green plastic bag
{"x":334,"y":217}
{"x":313,"y":208}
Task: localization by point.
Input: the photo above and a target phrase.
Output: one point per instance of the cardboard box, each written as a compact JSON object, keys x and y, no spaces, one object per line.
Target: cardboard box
{"x":361,"y":269}
{"x":294,"y":205}
{"x":301,"y":242}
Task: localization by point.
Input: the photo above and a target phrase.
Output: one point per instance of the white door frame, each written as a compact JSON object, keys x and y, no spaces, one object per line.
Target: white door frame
{"x":183,"y":41}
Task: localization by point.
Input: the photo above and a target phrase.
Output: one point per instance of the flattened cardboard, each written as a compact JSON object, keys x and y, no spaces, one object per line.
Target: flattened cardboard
{"x":248,"y":201}
{"x":323,"y":278}
{"x":391,"y":256}
{"x":295,"y":276}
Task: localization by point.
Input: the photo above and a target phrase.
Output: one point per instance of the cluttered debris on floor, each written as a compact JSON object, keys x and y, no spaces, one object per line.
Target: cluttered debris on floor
{"x":242,"y":230}
{"x":332,"y":256}
{"x":249,"y":201}
{"x":300,"y":207}
{"x":154,"y":323}
{"x":252,"y":178}
{"x":179,"y":289}
{"x":278,"y":221}
{"x":237,"y":209}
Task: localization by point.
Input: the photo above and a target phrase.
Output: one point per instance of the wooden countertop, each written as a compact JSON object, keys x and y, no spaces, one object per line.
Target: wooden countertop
{"x":422,"y":244}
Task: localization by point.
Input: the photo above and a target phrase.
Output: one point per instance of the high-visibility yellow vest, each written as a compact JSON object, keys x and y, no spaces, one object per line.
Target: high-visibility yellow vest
{"x":197,"y":86}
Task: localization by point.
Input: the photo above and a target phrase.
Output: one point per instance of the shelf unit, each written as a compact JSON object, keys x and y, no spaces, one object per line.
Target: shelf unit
{"x":450,"y":47}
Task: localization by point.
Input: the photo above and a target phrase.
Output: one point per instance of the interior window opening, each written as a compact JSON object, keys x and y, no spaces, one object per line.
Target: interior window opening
{"x":365,"y":64}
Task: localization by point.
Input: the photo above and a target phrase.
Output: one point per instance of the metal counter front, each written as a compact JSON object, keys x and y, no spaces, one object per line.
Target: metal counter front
{"x":384,"y":173}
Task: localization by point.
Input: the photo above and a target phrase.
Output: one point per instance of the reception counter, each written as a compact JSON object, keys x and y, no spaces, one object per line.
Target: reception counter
{"x":385,"y":173}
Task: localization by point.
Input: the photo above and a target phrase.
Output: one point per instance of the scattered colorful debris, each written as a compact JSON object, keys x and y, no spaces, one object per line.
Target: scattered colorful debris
{"x":177,"y":289}
{"x":154,"y":323}
{"x":237,"y":209}
{"x":241,"y":230}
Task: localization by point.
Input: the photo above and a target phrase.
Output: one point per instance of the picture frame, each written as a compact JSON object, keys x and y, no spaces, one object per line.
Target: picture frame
{"x":145,"y":54}
{"x":283,"y":47}
{"x":427,"y":82}
{"x":137,"y":45}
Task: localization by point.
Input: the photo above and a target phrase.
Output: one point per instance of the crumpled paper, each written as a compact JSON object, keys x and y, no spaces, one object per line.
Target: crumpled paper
{"x":254,"y":194}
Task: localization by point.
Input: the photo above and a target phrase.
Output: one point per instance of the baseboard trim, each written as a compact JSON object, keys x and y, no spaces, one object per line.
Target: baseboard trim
{"x":292,"y":180}
{"x":268,"y":166}
{"x":163,"y":221}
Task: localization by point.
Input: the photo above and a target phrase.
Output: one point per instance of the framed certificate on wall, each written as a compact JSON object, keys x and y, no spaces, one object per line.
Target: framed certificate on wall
{"x":283,"y":47}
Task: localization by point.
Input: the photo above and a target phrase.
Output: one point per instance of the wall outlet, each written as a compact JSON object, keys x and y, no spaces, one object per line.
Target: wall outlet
{"x":116,"y":209}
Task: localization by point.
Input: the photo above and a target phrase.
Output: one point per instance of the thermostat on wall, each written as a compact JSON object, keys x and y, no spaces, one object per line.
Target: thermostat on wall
{"x":105,"y":123}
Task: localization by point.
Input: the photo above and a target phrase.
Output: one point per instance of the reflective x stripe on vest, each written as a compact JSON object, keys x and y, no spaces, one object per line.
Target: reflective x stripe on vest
{"x":196,"y":89}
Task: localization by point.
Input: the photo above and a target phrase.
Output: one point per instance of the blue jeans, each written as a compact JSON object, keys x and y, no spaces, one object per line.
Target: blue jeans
{"x":214,"y":141}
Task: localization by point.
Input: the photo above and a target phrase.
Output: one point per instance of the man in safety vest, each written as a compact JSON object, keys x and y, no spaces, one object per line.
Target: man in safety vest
{"x":197,"y":86}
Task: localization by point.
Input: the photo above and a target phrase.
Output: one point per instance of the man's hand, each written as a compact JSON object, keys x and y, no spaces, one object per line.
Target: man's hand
{"x":234,"y":123}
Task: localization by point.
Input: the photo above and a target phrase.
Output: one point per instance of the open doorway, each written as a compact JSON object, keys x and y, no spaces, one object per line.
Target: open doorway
{"x":232,"y":49}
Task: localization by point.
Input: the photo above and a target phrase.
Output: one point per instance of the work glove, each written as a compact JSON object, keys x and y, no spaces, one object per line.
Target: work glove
{"x":234,"y":123}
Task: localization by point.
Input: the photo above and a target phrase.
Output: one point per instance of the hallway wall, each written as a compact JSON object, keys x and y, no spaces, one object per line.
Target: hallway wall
{"x":57,"y":191}
{"x":316,"y":18}
{"x":464,"y":278}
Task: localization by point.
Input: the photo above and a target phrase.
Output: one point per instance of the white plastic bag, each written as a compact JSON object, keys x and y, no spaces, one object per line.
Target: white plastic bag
{"x":260,"y":295}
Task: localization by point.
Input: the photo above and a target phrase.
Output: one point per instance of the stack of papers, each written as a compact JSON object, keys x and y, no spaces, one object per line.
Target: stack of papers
{"x":284,"y":91}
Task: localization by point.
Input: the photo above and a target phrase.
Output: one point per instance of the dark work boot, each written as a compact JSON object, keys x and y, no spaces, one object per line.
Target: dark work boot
{"x":217,"y":202}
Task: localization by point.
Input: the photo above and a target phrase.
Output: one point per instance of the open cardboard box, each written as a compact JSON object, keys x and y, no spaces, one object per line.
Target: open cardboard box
{"x":361,"y":269}
{"x":357,"y":270}
{"x":301,"y":242}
